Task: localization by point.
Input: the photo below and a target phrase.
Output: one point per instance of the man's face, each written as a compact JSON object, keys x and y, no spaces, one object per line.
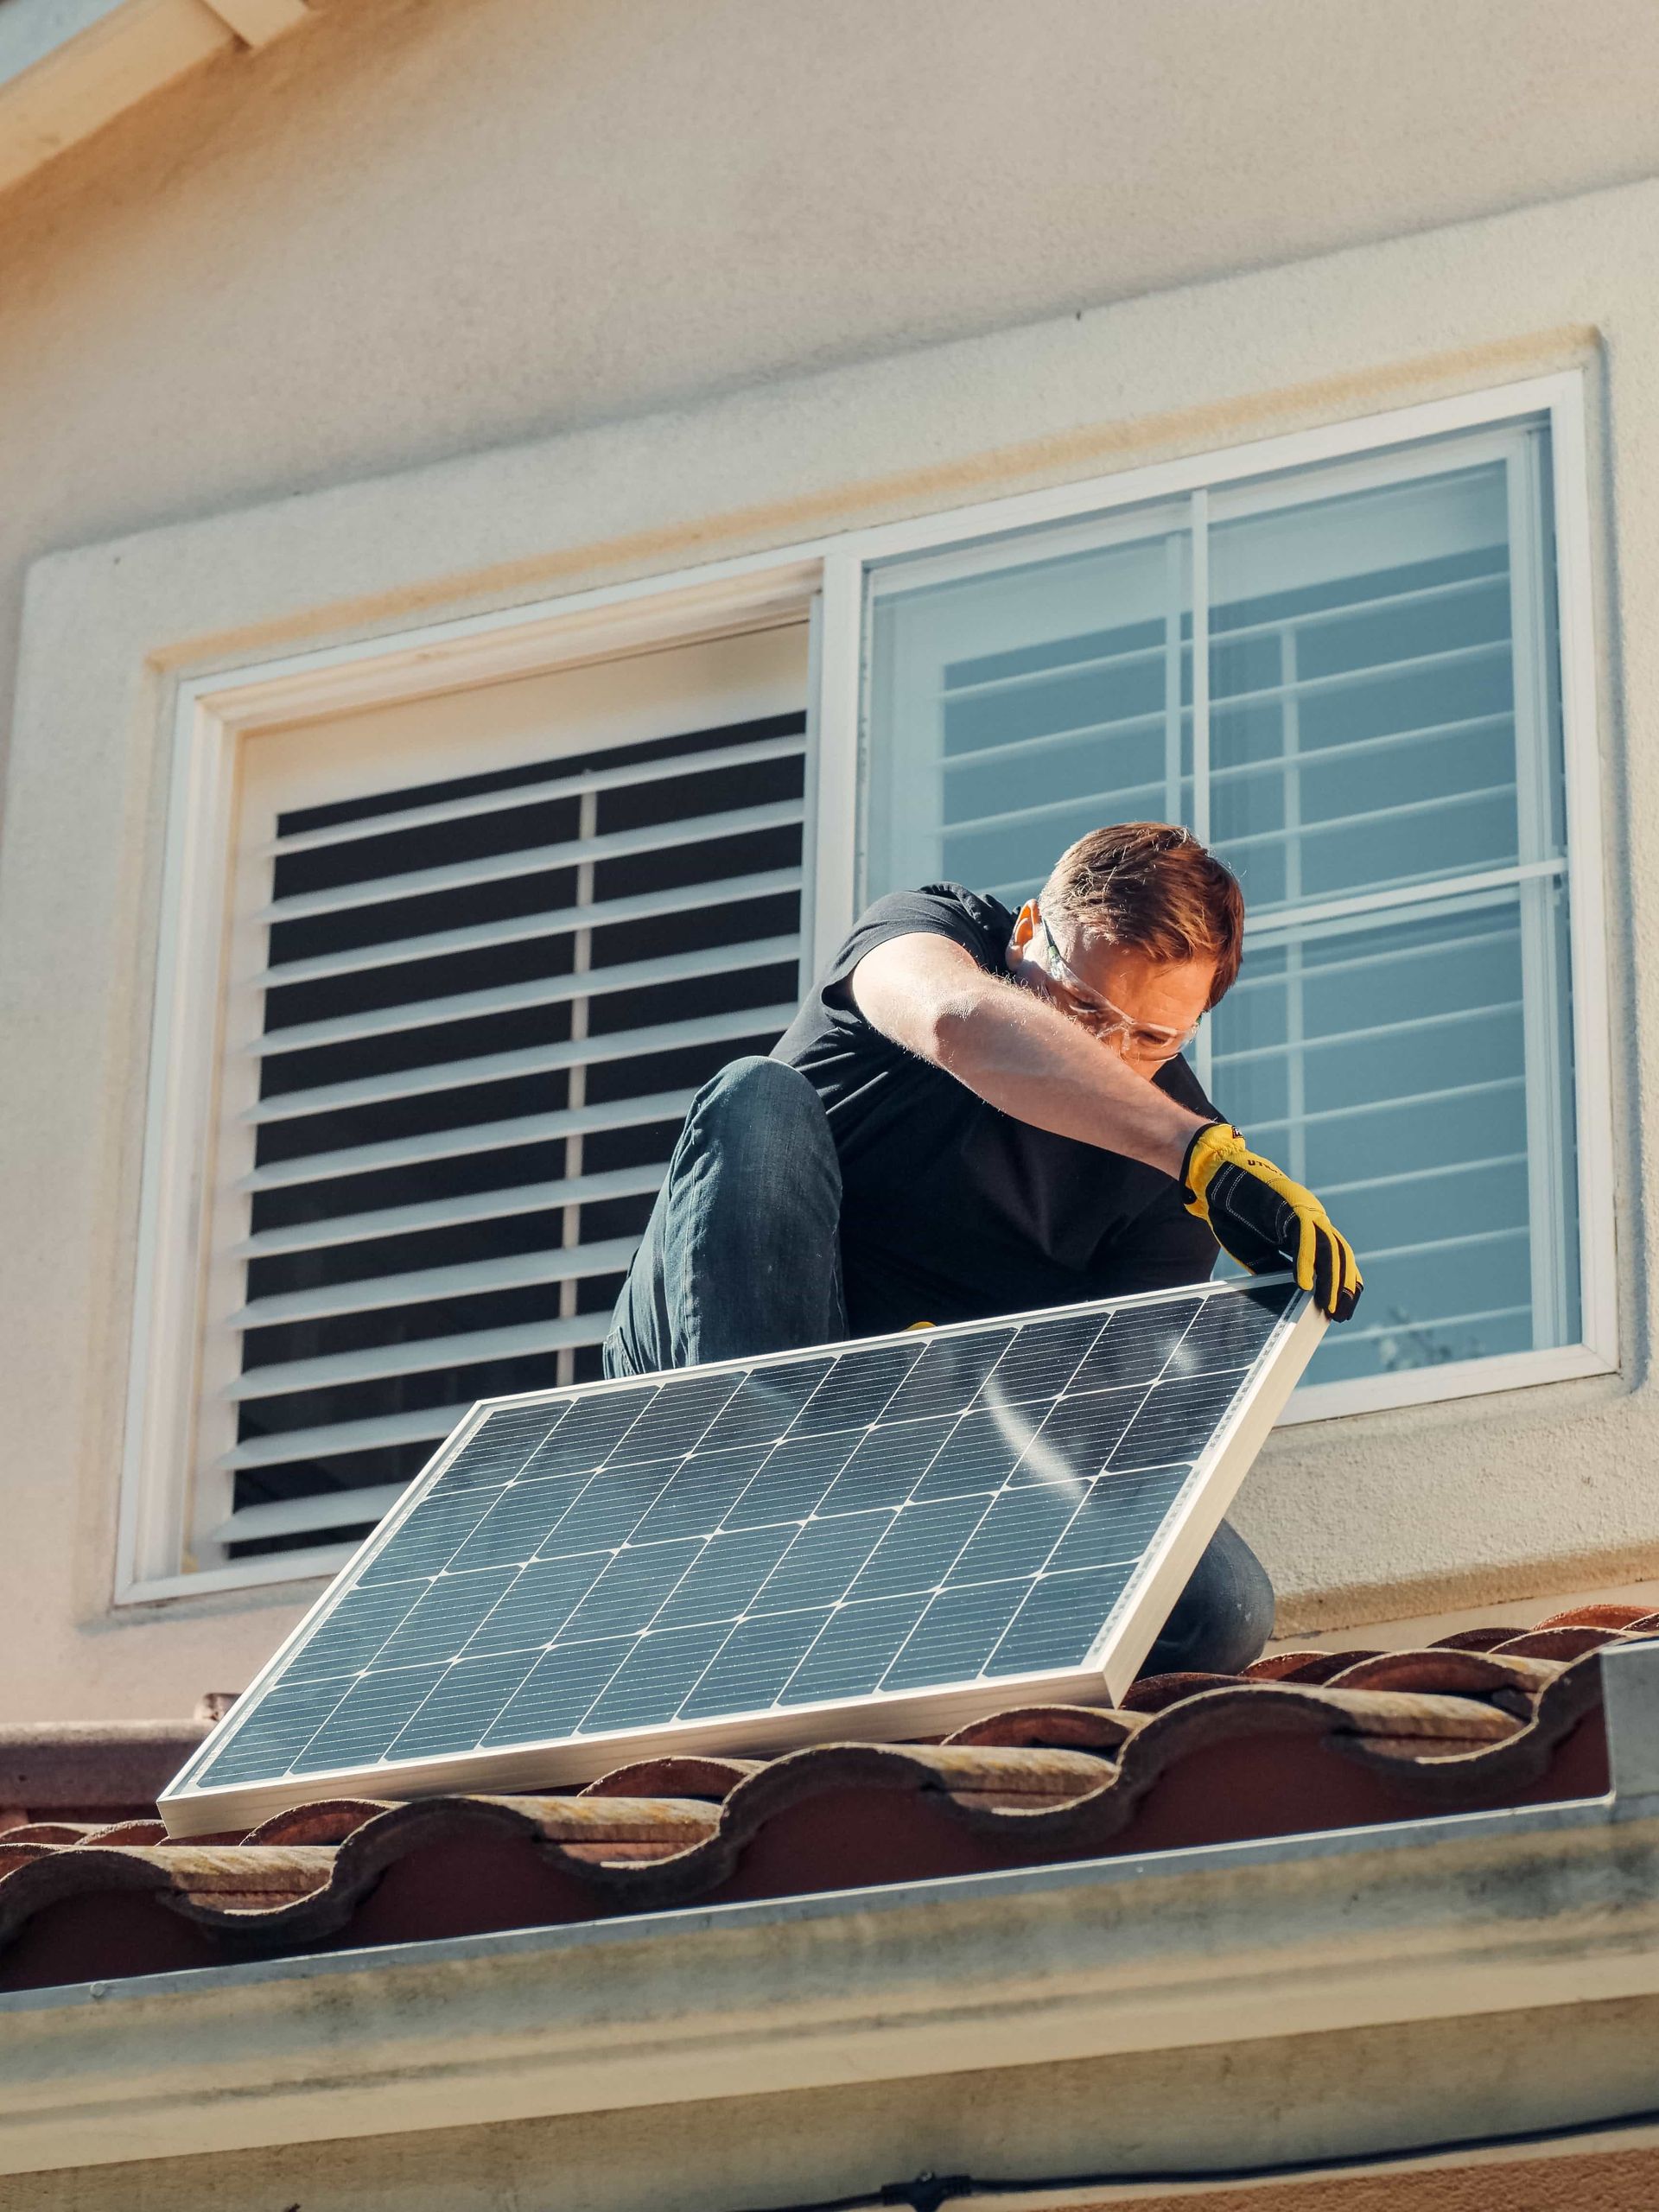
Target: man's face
{"x":1145,"y":1008}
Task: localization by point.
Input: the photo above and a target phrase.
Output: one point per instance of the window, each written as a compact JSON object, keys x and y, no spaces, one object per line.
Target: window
{"x":475,"y":1010}
{"x":456,"y":924}
{"x":1346,"y":680}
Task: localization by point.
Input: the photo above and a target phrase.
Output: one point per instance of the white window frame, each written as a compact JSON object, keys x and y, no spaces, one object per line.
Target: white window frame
{"x":828,"y":577}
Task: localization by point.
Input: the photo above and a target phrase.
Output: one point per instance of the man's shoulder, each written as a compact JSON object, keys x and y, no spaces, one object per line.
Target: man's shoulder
{"x":987,"y":913}
{"x":940,"y":909}
{"x":829,"y":1022}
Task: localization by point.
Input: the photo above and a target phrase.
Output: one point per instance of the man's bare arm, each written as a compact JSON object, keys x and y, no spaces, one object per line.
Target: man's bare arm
{"x":1019,"y":1055}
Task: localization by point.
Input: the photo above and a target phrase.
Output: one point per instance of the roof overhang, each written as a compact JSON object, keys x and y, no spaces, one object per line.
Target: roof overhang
{"x":69,"y":66}
{"x":1470,"y":1916}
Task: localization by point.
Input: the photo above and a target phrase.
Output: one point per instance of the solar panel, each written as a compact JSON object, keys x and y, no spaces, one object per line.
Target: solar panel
{"x":878,"y":1538}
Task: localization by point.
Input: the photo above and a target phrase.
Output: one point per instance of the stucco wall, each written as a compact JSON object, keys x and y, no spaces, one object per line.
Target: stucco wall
{"x":325,"y":284}
{"x":418,"y":227}
{"x":1286,"y":2098}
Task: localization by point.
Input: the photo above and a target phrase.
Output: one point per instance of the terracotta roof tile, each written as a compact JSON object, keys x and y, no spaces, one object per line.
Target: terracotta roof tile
{"x":1459,"y":1674}
{"x":1305,"y":1666}
{"x":679,"y":1777}
{"x":1473,"y":1639}
{"x":1156,"y":1692}
{"x":1061,"y":1727}
{"x":1567,"y":1640}
{"x":325,"y":1820}
{"x":1305,"y":1740}
{"x":1604,"y":1615}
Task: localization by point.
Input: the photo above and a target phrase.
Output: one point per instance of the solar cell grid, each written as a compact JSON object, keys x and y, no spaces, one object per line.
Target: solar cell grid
{"x":947,"y":1378}
{"x":949,"y":1508}
{"x":463,"y":1701}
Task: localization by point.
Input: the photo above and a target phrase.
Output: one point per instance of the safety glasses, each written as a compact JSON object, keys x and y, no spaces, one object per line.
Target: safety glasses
{"x":1147,"y":1040}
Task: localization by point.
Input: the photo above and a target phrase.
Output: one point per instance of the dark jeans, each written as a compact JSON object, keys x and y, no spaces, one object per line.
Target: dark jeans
{"x":742,"y":1256}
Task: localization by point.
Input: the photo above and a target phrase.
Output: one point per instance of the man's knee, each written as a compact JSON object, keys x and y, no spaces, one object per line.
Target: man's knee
{"x":1224,"y":1616}
{"x":1249,"y":1620}
{"x":755,"y":1089}
{"x":762,"y":1117}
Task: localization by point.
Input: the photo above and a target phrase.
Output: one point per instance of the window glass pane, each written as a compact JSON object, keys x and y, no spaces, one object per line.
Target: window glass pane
{"x":1363,"y":730}
{"x":1400,"y":1070}
{"x":1020,"y":707}
{"x":1382,"y":719}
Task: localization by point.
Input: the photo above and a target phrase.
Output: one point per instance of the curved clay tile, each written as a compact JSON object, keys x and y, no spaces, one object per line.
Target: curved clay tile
{"x":1472,"y":1639}
{"x":1157,"y":1692}
{"x":1458,"y":1674}
{"x":1246,"y":1759}
{"x":1305,"y":1667}
{"x":1597,"y":1615}
{"x":228,"y":1883}
{"x":325,"y":1819}
{"x":677,"y":1776}
{"x":129,"y":1832}
{"x":1054,"y":1727}
{"x":14,"y":1856}
{"x":1469,"y":1777}
{"x":1278,"y":1665}
{"x":1566,"y":1641}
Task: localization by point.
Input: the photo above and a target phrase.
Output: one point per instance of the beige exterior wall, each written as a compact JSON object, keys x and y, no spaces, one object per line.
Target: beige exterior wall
{"x":283,"y":328}
{"x":416,"y":228}
{"x":1283,"y":2099}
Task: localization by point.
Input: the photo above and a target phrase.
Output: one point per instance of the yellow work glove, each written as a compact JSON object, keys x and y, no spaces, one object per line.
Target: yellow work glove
{"x":1264,"y":1220}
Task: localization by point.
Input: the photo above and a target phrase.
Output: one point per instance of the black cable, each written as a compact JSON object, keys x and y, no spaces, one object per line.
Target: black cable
{"x":928,"y":2192}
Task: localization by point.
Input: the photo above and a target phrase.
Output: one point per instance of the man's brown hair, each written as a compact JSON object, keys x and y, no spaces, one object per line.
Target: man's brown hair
{"x":1152,"y":886}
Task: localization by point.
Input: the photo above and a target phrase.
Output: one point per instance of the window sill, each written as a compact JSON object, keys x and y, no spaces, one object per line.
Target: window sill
{"x":316,"y":1565}
{"x":1461,"y":1378}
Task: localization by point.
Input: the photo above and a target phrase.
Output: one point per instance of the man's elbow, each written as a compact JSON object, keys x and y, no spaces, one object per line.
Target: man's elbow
{"x":953,"y":1031}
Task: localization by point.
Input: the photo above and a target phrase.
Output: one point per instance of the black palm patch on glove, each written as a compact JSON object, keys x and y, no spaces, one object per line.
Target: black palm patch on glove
{"x":1251,"y":1222}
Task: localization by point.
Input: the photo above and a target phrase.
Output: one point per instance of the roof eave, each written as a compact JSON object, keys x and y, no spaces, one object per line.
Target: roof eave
{"x":67,"y":70}
{"x":1459,"y":1916}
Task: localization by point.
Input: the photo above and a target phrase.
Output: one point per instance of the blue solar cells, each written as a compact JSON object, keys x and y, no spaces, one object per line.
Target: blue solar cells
{"x":703,"y":1493}
{"x":725,"y":1580}
{"x":558,"y":1691}
{"x":760,"y":1654}
{"x":651,"y":1682}
{"x":374,"y":1710}
{"x":510,"y":1532}
{"x":1059,"y":1620}
{"x":920,"y":1550}
{"x":957,"y":1634}
{"x":853,"y":1649}
{"x":464,"y":1701}
{"x":443,"y":1620}
{"x":538,"y":1602}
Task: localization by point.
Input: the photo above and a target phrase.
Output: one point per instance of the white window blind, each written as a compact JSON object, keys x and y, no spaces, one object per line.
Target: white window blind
{"x":480,"y":1007}
{"x":1344,"y":680}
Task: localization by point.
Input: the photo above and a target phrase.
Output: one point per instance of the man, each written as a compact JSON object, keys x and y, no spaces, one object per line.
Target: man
{"x":978,"y":1113}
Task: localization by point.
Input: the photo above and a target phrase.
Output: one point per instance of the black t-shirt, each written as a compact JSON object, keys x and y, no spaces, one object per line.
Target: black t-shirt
{"x":950,"y":1210}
